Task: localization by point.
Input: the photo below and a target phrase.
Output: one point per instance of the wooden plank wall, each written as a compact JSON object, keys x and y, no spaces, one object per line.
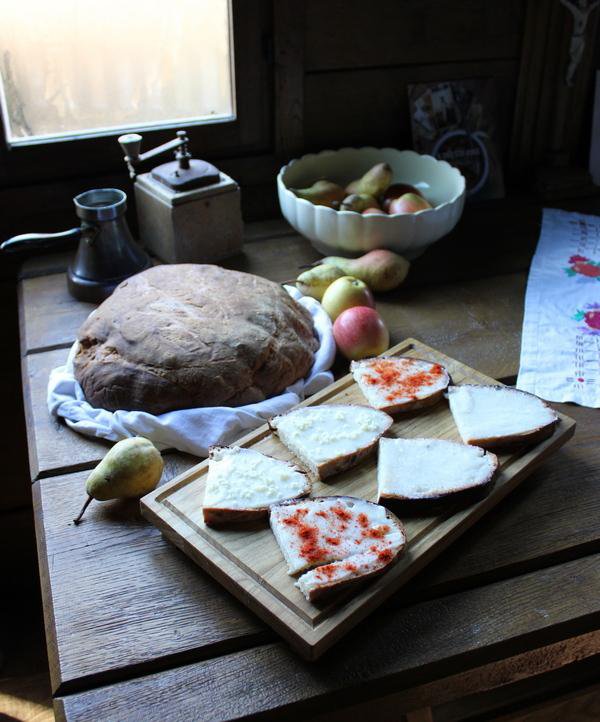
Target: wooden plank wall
{"x":360,"y":58}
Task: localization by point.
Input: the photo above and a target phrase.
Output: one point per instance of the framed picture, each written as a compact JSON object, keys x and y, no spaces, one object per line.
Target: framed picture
{"x":453,"y":121}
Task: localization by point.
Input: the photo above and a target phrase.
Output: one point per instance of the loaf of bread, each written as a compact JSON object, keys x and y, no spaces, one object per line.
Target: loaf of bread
{"x":185,"y":336}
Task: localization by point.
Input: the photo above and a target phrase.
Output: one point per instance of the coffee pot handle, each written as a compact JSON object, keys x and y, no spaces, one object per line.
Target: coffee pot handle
{"x":39,"y":240}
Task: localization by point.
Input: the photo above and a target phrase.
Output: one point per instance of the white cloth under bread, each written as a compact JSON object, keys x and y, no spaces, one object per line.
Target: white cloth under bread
{"x":191,"y":430}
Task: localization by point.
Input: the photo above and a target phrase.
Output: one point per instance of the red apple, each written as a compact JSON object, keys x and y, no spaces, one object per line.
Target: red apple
{"x":360,"y":332}
{"x":374,"y":212}
{"x":408,"y":203}
{"x":344,"y":293}
{"x":395,"y":191}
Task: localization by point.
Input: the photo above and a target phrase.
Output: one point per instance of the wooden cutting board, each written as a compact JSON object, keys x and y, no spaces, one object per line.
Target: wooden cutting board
{"x":249,"y":563}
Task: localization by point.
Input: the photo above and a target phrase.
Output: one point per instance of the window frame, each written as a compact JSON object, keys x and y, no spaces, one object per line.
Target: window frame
{"x":249,"y":133}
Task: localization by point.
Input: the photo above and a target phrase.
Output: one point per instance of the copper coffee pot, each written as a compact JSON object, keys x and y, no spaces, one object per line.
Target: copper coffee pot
{"x":107,"y":253}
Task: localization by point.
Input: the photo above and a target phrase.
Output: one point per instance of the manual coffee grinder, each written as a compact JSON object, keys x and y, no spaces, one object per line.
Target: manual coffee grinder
{"x":188,"y":211}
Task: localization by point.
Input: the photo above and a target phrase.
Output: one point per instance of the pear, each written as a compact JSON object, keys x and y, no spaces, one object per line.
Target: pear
{"x":358,"y":202}
{"x":132,"y":468}
{"x":353,"y":187}
{"x":375,"y":181}
{"x":381,"y":270}
{"x":322,"y":193}
{"x":317,"y":280}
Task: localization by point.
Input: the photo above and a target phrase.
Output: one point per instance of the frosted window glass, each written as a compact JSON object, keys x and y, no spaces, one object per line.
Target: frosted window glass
{"x":84,"y":66}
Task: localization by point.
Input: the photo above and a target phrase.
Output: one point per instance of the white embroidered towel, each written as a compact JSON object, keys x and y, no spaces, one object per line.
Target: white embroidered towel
{"x":560,"y":351}
{"x":191,"y":430}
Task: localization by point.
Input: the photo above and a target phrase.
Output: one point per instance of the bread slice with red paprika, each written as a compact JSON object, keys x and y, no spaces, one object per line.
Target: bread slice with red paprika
{"x":328,"y":531}
{"x":330,"y":579}
{"x":330,"y":438}
{"x":395,"y":384}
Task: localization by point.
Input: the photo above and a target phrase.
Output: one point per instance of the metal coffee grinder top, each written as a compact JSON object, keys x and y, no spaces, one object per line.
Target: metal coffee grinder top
{"x":107,"y":253}
{"x":188,"y":211}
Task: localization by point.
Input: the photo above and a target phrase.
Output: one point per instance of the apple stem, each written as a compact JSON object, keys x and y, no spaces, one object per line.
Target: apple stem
{"x":82,"y":512}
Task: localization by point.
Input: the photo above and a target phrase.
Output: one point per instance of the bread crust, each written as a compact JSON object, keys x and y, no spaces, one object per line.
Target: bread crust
{"x":516,"y":441}
{"x":414,"y":404}
{"x":189,"y":335}
{"x":324,"y":591}
{"x":227,"y":518}
{"x":340,"y":463}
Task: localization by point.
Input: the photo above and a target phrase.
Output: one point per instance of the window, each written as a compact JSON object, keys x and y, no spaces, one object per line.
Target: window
{"x":78,"y":160}
{"x":81,"y":67}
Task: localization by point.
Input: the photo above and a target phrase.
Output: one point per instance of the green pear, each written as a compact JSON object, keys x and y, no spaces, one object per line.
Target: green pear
{"x":322,"y":193}
{"x":316,"y":281}
{"x":132,"y":468}
{"x":358,"y":202}
{"x":375,"y":181}
{"x":353,"y":187}
{"x":381,"y":270}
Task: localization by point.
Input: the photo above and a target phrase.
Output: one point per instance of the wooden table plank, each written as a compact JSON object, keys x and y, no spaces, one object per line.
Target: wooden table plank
{"x":118,"y":598}
{"x":50,"y":316}
{"x":397,"y":649}
{"x":557,"y":515}
{"x":53,"y":447}
{"x":477,"y":322}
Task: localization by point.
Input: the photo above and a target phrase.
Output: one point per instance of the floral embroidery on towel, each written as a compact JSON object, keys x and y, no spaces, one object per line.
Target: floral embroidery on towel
{"x":580,"y":265}
{"x":590,"y":315}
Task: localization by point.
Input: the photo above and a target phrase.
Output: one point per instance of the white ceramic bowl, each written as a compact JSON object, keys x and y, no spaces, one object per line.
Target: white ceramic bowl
{"x":349,"y":233}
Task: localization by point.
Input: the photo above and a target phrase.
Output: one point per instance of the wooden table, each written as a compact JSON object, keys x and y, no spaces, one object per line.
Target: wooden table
{"x":136,"y":631}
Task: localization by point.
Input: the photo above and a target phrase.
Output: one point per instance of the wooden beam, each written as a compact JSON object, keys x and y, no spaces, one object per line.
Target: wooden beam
{"x":288,"y":52}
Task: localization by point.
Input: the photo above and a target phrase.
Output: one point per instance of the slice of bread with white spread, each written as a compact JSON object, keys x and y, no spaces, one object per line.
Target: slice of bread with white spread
{"x":399,"y":383}
{"x":499,"y":417}
{"x":326,"y":529}
{"x":430,"y":469}
{"x":241,"y":485}
{"x":331,"y":438}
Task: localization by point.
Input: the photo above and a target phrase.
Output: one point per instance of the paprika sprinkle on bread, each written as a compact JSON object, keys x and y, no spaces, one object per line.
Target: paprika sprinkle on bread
{"x":346,"y":538}
{"x":394,"y":384}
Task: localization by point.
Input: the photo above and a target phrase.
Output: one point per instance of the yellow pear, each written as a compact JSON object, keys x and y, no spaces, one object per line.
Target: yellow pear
{"x":358,"y":202}
{"x":322,"y":193}
{"x":316,"y":281}
{"x":132,"y":468}
{"x":381,"y":269}
{"x":375,"y":181}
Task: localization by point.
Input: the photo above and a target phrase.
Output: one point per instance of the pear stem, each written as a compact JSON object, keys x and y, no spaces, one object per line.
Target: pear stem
{"x":310,"y":265}
{"x":288,"y":283}
{"x":82,"y":512}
